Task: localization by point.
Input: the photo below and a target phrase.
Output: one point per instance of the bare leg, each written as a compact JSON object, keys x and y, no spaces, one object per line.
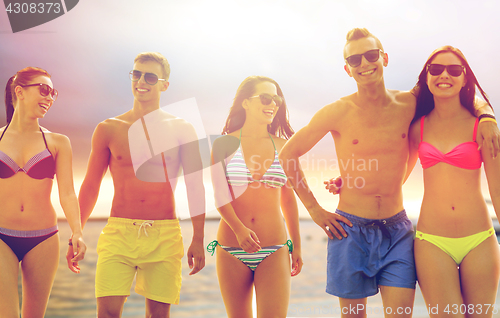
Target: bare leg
{"x":236,"y":285}
{"x":398,"y":302}
{"x":272,"y":285}
{"x":479,"y":274}
{"x":439,"y":279}
{"x":9,"y":271}
{"x":353,"y":308}
{"x":39,"y":267}
{"x":155,"y":309}
{"x":110,"y":306}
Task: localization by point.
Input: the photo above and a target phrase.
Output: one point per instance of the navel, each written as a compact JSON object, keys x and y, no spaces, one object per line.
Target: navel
{"x":22,"y":208}
{"x":403,"y":136}
{"x":355,"y":141}
{"x":119,"y":157}
{"x":453,"y":208}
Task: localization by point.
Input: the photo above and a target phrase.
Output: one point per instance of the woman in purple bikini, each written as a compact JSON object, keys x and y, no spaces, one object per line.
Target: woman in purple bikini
{"x":251,"y":190}
{"x":30,"y":156}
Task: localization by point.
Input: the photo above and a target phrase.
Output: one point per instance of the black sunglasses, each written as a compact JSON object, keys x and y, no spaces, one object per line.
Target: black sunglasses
{"x":370,"y":56}
{"x":150,"y":78}
{"x":437,"y":69}
{"x":266,"y":99}
{"x":45,"y":90}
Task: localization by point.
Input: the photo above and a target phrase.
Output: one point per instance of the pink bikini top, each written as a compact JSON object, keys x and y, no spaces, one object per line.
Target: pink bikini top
{"x":464,"y":155}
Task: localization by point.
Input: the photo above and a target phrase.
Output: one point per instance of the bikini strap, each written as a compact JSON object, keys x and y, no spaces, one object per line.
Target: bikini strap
{"x":211,"y":247}
{"x":43,"y":135}
{"x":422,"y":128}
{"x":272,"y":141}
{"x":240,"y":134}
{"x":4,"y":131}
{"x":475,"y":129}
{"x":290,"y":245}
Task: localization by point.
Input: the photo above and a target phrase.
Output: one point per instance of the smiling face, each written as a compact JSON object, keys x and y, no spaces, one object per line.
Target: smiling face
{"x":144,"y":92}
{"x":254,"y":107}
{"x":367,"y":71}
{"x":33,"y":102}
{"x":444,"y":85}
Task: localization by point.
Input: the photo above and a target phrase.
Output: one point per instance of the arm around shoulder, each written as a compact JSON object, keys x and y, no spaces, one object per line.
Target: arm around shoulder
{"x":492,"y":170}
{"x":413,"y":143}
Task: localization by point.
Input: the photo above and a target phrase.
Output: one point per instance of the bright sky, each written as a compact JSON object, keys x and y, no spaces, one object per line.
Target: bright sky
{"x":213,"y":45}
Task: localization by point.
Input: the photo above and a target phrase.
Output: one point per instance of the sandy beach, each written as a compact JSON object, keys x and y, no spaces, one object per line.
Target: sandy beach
{"x":73,"y":294}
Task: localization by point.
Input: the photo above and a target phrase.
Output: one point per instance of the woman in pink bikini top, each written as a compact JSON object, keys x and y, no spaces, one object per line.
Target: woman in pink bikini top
{"x":456,"y":251}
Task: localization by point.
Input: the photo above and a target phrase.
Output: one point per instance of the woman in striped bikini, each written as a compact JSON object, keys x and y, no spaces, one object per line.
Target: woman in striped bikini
{"x":29,"y":158}
{"x":250,"y":187}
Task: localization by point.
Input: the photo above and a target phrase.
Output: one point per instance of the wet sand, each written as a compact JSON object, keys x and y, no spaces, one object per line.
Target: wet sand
{"x":73,"y":294}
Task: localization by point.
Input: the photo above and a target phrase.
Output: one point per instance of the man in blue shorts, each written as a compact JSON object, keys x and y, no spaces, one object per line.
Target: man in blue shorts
{"x":370,"y":245}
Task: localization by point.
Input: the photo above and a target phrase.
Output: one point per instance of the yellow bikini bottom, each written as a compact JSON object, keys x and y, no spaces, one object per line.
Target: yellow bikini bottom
{"x":458,"y":247}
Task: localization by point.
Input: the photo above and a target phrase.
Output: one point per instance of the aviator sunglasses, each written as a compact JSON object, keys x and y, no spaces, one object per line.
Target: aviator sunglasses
{"x":266,"y":99}
{"x":45,"y":90}
{"x":437,"y":69}
{"x":150,"y":78}
{"x":370,"y":56}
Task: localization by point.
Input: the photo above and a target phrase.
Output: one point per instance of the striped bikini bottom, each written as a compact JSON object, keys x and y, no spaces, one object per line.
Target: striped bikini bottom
{"x":252,"y":260}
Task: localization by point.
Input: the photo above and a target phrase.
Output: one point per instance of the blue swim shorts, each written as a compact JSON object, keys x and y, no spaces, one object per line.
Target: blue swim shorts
{"x":375,"y":252}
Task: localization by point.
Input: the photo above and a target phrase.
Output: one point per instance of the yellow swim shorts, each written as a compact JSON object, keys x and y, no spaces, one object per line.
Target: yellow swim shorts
{"x":152,"y":249}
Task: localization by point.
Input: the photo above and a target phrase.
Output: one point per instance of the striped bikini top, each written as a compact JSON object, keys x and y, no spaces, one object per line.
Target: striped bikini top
{"x":40,"y":166}
{"x":238,"y":174}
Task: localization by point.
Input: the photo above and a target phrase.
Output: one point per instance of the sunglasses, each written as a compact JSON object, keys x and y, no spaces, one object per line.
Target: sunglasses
{"x":45,"y":90}
{"x":266,"y":99}
{"x":437,"y":69}
{"x":370,"y":56}
{"x":150,"y":78}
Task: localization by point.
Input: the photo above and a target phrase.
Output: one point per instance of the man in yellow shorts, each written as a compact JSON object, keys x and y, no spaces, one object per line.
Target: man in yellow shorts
{"x":143,"y":235}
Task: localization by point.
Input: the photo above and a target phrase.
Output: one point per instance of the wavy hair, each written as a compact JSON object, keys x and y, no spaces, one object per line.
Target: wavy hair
{"x":280,"y":126}
{"x":425,"y":99}
{"x":23,"y":77}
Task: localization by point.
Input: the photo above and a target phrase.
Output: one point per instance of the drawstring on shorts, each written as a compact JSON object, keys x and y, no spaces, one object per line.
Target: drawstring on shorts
{"x":144,"y":225}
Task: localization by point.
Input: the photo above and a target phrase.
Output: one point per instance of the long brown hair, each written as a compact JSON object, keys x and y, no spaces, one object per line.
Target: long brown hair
{"x":279,"y":127}
{"x":425,"y":99}
{"x":23,"y":77}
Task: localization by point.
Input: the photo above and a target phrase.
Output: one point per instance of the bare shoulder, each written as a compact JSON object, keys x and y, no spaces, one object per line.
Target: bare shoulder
{"x":224,"y":146}
{"x":338,"y":108}
{"x":111,"y":126}
{"x":179,"y":127}
{"x":57,"y":141}
{"x":330,"y":117}
{"x":279,"y":142}
{"x":404,"y":98}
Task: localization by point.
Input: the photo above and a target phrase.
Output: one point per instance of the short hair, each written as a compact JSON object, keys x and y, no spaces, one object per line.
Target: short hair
{"x":155,"y":57}
{"x":360,"y":33}
{"x":23,"y":77}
